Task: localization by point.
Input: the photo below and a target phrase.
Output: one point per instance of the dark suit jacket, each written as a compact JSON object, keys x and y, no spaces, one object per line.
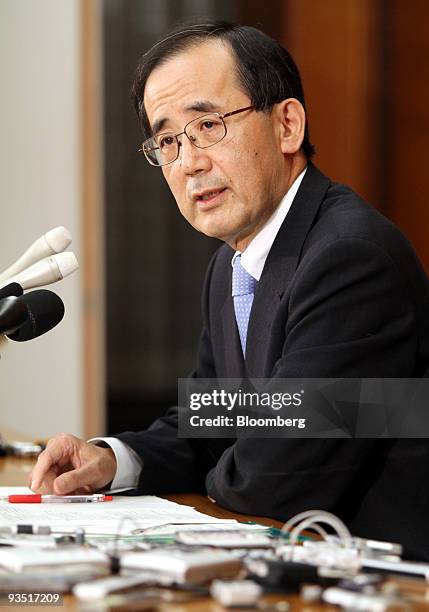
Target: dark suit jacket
{"x":342,"y":294}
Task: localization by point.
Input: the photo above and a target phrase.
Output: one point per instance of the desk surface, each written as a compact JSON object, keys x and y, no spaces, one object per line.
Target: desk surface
{"x":14,"y":472}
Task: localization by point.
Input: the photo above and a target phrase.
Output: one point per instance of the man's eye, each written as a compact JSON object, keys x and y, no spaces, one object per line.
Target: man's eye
{"x":208,"y":125}
{"x":166,"y":141}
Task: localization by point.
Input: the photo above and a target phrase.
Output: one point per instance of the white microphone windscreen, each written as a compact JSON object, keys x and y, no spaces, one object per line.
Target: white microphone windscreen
{"x":67,"y":263}
{"x":58,"y":239}
{"x":53,"y":242}
{"x":47,"y":271}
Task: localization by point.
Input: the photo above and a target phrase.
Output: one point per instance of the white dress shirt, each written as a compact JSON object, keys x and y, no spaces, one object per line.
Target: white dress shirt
{"x":128,"y":463}
{"x":253,"y":258}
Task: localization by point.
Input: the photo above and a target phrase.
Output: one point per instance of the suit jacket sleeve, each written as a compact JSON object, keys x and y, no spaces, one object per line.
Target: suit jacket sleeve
{"x":349,"y":315}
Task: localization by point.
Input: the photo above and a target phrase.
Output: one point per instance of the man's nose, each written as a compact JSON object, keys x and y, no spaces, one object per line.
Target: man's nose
{"x":193,"y":159}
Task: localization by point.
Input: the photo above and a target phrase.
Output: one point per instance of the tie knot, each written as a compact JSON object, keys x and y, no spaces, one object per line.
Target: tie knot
{"x":243,"y":283}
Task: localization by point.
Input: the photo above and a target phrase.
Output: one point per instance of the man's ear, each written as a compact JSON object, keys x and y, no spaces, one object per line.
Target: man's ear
{"x":291,"y":122}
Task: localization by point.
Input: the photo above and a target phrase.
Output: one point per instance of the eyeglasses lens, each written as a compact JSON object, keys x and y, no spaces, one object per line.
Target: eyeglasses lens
{"x":203,"y":132}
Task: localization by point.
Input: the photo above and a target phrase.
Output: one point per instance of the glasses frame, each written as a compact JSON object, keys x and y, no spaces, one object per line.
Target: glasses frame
{"x":221,"y":116}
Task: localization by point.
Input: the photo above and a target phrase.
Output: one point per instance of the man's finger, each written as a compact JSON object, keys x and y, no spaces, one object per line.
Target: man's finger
{"x":46,"y":486}
{"x":43,"y":465}
{"x":81,"y":478}
{"x":47,"y":458}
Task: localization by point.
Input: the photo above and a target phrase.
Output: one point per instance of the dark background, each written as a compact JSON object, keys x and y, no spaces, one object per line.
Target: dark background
{"x":364,"y":65}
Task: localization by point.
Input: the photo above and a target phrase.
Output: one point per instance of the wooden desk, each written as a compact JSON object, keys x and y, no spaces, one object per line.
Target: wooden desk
{"x":14,"y":472}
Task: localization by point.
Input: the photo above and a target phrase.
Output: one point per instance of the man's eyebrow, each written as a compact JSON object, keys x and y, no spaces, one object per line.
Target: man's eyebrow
{"x":201,"y":106}
{"x":158,"y":125}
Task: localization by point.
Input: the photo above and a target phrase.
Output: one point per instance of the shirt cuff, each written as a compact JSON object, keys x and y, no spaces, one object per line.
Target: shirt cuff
{"x":128,"y":463}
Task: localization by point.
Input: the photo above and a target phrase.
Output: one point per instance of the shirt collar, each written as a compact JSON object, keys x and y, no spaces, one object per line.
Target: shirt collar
{"x":254,"y":256}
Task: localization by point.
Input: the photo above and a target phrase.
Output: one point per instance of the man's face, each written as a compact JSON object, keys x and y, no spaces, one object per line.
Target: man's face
{"x":227,"y":191}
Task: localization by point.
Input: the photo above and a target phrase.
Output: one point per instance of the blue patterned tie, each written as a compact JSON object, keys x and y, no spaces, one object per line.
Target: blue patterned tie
{"x":243,"y":289}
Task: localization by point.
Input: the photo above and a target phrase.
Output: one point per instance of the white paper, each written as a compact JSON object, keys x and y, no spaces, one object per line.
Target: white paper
{"x":123,"y":513}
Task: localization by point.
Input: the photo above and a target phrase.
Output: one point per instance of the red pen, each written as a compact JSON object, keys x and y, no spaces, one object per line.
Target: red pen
{"x":53,"y":499}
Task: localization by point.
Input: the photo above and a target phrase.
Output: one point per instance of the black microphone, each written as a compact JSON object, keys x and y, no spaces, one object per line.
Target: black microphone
{"x":13,"y":314}
{"x":10,"y":290}
{"x":45,"y":310}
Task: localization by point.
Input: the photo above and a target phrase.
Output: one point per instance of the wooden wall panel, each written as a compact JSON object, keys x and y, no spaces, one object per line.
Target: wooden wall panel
{"x":335,"y":45}
{"x":406,"y":119}
{"x":365,"y":67}
{"x":93,"y":366}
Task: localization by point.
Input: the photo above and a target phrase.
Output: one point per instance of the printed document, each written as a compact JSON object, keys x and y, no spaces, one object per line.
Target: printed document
{"x":123,"y":513}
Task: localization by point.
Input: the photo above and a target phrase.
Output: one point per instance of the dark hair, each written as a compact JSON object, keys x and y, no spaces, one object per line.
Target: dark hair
{"x":265,"y":70}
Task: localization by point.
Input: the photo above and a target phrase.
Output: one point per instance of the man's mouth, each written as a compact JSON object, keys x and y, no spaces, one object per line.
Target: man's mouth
{"x":208,"y":196}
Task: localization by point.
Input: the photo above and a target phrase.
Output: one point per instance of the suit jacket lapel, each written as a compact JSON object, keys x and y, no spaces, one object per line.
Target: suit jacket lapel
{"x":280,"y":267}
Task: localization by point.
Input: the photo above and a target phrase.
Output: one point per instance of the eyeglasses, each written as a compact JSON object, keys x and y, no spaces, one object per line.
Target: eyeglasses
{"x":202,"y":132}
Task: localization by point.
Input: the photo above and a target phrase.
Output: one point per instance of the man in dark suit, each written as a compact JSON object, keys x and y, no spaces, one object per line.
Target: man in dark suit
{"x":311,"y":282}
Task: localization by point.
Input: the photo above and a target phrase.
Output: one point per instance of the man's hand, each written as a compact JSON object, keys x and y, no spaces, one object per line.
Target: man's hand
{"x":70,"y":465}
